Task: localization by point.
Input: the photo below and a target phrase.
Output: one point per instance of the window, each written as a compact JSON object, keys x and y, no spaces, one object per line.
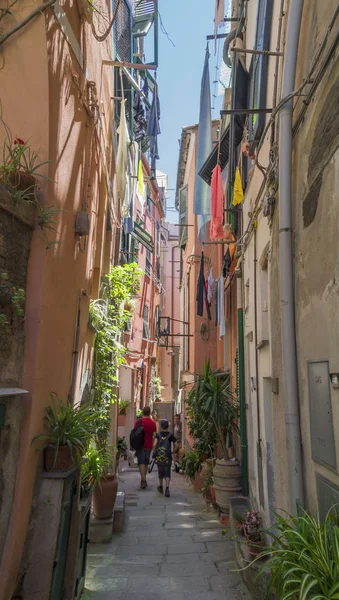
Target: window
{"x":122,"y":49}
{"x":259,"y":69}
{"x":148,"y":263}
{"x":157,"y":322}
{"x":183,"y":216}
{"x":148,"y":200}
{"x":157,"y":238}
{"x":134,"y":251}
{"x":145,"y":330}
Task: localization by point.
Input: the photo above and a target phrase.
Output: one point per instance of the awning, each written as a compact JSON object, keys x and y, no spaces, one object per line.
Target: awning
{"x":239,"y":100}
{"x":211,"y":162}
{"x":142,"y":236}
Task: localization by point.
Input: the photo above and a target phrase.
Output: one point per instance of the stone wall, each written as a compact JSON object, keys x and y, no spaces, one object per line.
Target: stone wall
{"x":16,"y":228}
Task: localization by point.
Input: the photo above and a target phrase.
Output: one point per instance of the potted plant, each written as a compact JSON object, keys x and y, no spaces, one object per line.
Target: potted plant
{"x":121,"y":448}
{"x":123,"y":405}
{"x":19,"y":167}
{"x":67,"y":433}
{"x":191,"y":466}
{"x":252,"y":529}
{"x":212,"y":394}
{"x":96,"y":476}
{"x":303,"y":560}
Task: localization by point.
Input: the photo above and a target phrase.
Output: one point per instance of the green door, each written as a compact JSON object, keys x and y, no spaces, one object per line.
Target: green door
{"x":82,"y":557}
{"x":57,"y":587}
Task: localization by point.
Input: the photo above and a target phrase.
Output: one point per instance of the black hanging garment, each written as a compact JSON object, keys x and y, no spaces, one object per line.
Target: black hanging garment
{"x":201,"y":292}
{"x":226,"y":263}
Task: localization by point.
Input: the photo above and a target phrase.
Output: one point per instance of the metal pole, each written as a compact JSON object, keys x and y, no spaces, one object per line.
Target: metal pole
{"x":263,"y":52}
{"x":288,"y":330}
{"x":242,"y":406}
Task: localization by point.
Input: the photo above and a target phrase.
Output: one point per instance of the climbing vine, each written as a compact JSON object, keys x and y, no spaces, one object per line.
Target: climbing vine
{"x":109,"y":316}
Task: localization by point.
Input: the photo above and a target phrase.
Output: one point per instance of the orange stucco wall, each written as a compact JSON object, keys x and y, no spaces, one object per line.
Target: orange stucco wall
{"x":41,"y":68}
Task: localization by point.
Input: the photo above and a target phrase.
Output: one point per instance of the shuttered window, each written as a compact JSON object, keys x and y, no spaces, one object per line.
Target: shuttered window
{"x":145,"y":330}
{"x":183,"y":216}
{"x":259,"y":68}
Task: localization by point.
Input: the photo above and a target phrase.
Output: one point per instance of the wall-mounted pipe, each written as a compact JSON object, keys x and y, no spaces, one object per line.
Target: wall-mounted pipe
{"x":289,"y":352}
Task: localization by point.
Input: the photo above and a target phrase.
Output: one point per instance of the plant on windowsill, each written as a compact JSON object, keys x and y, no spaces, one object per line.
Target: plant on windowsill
{"x":123,"y":405}
{"x":108,"y":318}
{"x":19,"y":170}
{"x":67,"y":433}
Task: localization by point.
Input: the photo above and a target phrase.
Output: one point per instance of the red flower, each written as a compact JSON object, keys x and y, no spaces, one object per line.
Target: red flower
{"x":19,"y":141}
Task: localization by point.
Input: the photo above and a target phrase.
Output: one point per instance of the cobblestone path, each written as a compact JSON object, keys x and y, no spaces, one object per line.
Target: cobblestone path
{"x":171,"y":549}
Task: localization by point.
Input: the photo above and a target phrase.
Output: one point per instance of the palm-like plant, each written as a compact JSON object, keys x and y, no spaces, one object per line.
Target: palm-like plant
{"x":211,"y":398}
{"x":304,"y":557}
{"x":67,"y":426}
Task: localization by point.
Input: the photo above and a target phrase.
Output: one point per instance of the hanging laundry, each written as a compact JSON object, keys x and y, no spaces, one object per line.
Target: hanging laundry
{"x":140,"y":123}
{"x":217,"y":205}
{"x":238,"y":194}
{"x":202,"y":198}
{"x":153,"y":130}
{"x":122,"y":156}
{"x":210,"y":282}
{"x":221,"y":307}
{"x":216,"y":305}
{"x":201,"y":292}
{"x":141,"y":187}
{"x":128,"y":221}
{"x":226,"y":263}
{"x":201,"y":288}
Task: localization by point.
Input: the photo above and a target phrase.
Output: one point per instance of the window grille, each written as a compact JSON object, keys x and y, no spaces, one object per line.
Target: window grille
{"x":148,"y":267}
{"x":145,"y":330}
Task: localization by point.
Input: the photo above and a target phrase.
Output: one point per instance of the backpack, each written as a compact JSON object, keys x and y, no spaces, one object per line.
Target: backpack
{"x":163,"y":453}
{"x":136,"y":438}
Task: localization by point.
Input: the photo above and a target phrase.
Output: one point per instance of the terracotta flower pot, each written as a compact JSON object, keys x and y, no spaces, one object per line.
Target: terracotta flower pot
{"x":104,"y":498}
{"x":121,"y":420}
{"x":198,"y":482}
{"x":22,"y":181}
{"x":213,"y":498}
{"x":58,"y":461}
{"x":255,"y":546}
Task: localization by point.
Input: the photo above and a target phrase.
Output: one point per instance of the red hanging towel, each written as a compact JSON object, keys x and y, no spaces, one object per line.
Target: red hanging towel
{"x":217,"y":205}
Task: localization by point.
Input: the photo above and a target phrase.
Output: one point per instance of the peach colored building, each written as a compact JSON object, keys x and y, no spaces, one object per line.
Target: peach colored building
{"x":168,"y":358}
{"x":59,"y":91}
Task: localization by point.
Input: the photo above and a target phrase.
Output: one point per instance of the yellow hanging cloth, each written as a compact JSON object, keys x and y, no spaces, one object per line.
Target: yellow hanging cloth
{"x":238,"y":194}
{"x":140,"y":180}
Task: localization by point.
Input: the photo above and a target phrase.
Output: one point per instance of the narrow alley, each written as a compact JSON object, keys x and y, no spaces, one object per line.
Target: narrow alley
{"x":174,"y":547}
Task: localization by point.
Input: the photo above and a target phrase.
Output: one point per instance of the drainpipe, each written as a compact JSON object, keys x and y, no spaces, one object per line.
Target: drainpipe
{"x":290,"y":372}
{"x":242,"y":406}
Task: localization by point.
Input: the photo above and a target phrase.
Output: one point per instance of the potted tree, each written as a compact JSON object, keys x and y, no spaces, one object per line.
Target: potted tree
{"x":219,"y":408}
{"x":67,"y":433}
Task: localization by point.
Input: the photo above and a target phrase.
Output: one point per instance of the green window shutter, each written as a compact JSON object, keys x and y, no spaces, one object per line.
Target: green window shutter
{"x":183,"y":216}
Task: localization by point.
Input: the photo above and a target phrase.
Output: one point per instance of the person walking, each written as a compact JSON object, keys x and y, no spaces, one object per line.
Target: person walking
{"x":143,"y":453}
{"x":162,"y":449}
{"x":156,"y":419}
{"x":178,"y":441}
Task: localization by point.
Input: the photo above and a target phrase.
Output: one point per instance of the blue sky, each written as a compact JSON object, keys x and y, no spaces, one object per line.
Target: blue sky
{"x":179,"y":77}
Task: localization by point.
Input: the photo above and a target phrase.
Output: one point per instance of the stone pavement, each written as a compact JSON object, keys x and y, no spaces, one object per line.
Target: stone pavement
{"x":171,"y":549}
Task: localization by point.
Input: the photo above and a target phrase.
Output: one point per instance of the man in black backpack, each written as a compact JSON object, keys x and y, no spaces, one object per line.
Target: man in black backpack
{"x":162,"y":448}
